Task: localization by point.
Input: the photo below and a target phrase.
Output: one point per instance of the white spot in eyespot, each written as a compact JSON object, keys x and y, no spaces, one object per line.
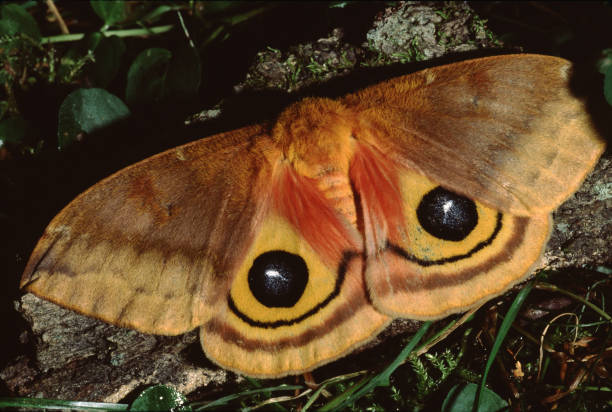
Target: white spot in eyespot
{"x":447,"y":206}
{"x":274,"y":273}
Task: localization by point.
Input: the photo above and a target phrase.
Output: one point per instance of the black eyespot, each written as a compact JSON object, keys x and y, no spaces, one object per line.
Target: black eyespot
{"x":277,"y":279}
{"x":447,"y":215}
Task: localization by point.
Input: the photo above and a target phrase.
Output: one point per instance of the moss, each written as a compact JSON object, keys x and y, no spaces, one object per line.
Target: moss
{"x":302,"y":64}
{"x":405,"y":33}
{"x":413,"y":32}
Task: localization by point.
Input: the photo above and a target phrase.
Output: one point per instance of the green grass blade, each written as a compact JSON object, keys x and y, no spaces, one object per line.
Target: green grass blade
{"x":501,"y":335}
{"x":56,"y":404}
{"x":553,"y":288}
{"x":199,"y":406}
{"x":323,"y":385}
{"x":339,"y":400}
{"x":382,"y":379}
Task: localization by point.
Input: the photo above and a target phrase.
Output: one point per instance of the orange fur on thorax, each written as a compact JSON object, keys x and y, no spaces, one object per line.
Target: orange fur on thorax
{"x":315,"y":136}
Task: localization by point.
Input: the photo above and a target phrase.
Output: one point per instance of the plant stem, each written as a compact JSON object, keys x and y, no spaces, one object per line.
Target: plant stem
{"x":119,"y":33}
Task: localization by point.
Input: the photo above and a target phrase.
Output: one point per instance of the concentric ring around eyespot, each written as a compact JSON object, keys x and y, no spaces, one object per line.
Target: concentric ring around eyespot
{"x":347,"y":256}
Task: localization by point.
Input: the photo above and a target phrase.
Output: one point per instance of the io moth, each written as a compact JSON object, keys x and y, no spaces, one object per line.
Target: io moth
{"x":291,"y":244}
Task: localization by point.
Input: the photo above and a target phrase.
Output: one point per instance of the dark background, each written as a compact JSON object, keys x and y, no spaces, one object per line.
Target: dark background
{"x":33,"y":188}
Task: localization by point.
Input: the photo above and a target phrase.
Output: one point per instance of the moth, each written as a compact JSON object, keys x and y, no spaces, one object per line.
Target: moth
{"x":291,"y":244}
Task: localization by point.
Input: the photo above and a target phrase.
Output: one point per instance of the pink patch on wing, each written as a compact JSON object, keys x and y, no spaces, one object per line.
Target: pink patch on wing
{"x":375,"y":179}
{"x":298,"y":199}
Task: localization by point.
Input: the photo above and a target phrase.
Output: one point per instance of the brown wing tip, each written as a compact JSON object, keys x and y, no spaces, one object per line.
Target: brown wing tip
{"x":30,"y":273}
{"x":572,"y":186}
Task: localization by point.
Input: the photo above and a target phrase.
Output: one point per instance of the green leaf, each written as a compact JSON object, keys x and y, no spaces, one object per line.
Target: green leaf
{"x":146,"y":76}
{"x":160,"y":398}
{"x":12,"y":130}
{"x":159,"y":11}
{"x":604,"y":61}
{"x":184,"y":73}
{"x":157,"y":74}
{"x":111,"y":11}
{"x":608,"y":85}
{"x":97,"y":55}
{"x":107,"y":53}
{"x":85,"y":111}
{"x":461,"y":398}
{"x":14,"y":19}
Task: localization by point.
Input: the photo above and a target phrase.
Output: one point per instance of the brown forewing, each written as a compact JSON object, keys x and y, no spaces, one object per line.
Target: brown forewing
{"x":153,"y":246}
{"x":505,"y":130}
